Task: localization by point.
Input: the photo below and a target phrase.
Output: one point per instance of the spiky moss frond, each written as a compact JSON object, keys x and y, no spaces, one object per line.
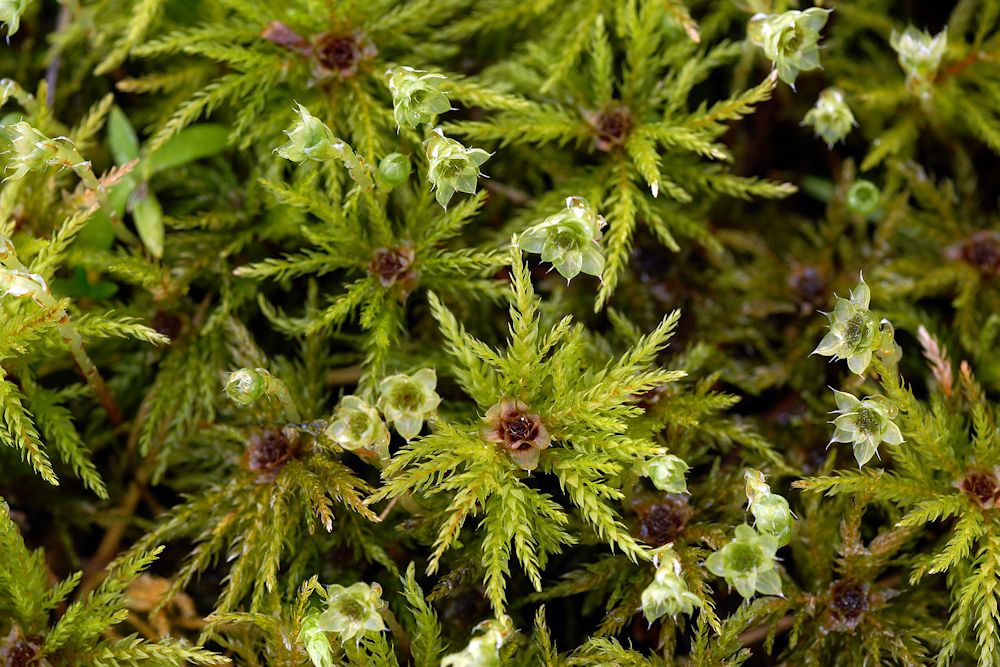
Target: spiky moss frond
{"x":587,"y":414}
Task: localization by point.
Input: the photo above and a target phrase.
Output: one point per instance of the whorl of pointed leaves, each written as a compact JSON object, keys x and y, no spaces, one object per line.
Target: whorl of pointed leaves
{"x":919,"y":53}
{"x":747,"y":563}
{"x":865,"y":424}
{"x":356,"y":425}
{"x":587,"y":416}
{"x":78,"y":636}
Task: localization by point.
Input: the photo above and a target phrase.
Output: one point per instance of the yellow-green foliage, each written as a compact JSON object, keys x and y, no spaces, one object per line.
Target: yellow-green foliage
{"x":291,"y":372}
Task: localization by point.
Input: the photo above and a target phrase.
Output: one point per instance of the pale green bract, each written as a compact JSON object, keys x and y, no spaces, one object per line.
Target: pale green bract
{"x":357,"y":426}
{"x":771,"y":512}
{"x":394,"y":169}
{"x":245,"y":386}
{"x":310,"y":139}
{"x":919,"y":53}
{"x":408,"y":400}
{"x":352,"y":611}
{"x":865,"y":424}
{"x":863,"y":197}
{"x":33,"y":151}
{"x":452,"y":167}
{"x":484,"y":649}
{"x":313,"y":637}
{"x":831,"y":118}
{"x":569,"y":240}
{"x":416,"y":98}
{"x":668,"y":594}
{"x":10,"y":13}
{"x":854,"y":333}
{"x":747,"y":563}
{"x":772,"y":516}
{"x":790,"y":40}
{"x":667,"y":473}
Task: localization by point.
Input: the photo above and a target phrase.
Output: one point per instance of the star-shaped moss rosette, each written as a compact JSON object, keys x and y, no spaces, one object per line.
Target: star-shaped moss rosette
{"x":648,"y":151}
{"x":357,"y":427}
{"x":747,"y":563}
{"x":854,"y":332}
{"x":407,"y":401}
{"x":865,"y":424}
{"x":569,"y":240}
{"x":576,"y":431}
{"x":521,"y":431}
{"x":790,"y":40}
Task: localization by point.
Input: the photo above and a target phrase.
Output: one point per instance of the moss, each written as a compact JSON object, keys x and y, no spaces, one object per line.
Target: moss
{"x":500,"y":301}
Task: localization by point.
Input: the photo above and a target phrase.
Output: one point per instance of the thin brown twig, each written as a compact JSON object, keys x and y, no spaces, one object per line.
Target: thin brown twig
{"x":108,"y":547}
{"x":388,"y":508}
{"x":515,"y":195}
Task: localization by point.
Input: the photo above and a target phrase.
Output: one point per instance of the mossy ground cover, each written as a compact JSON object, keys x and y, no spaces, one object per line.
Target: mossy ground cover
{"x":439,"y":332}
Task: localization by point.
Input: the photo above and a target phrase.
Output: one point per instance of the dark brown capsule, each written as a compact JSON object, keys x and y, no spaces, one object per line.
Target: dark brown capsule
{"x":391,"y":265}
{"x":848,"y":603}
{"x":982,"y":487}
{"x":662,"y":522}
{"x":611,"y":127}
{"x":342,"y":54}
{"x":981,"y":251}
{"x":268,"y":452}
